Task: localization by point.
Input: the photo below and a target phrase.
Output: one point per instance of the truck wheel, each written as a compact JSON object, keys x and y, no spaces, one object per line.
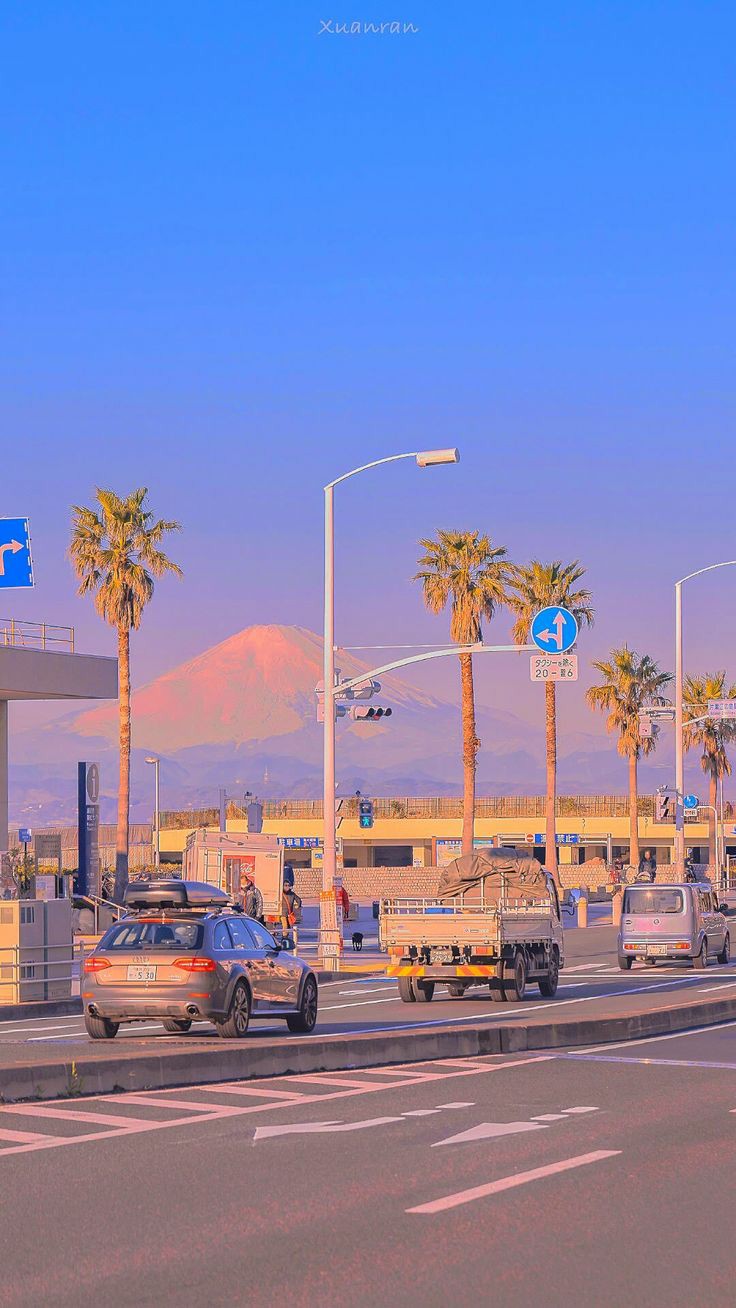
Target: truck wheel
{"x":406,"y":990}
{"x":457,"y":992}
{"x":424,"y":991}
{"x":515,"y":987}
{"x":548,"y":986}
{"x":497,"y":988}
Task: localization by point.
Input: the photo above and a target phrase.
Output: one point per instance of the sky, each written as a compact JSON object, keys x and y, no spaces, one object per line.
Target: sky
{"x":242,"y":254}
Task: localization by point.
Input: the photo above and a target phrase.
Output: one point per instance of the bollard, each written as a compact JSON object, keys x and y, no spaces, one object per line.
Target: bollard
{"x":583,"y":909}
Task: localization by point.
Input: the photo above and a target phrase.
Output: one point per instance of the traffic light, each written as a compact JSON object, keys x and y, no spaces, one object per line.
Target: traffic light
{"x":366,"y":713}
{"x":365,"y":814}
{"x":664,"y":808}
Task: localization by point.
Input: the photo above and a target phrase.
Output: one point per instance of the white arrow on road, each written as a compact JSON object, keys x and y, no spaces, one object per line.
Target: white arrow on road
{"x":13,"y":546}
{"x":318,"y":1128}
{"x":488,"y":1130}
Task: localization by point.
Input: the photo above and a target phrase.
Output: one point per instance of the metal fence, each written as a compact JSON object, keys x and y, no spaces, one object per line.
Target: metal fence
{"x":490,"y":806}
{"x":30,"y":972}
{"x":36,"y":635}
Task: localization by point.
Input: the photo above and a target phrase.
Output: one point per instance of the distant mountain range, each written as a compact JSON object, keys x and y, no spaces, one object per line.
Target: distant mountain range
{"x":242,"y":715}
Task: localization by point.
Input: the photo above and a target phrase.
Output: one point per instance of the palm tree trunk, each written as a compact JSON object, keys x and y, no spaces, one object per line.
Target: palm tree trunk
{"x":713,"y":801}
{"x":550,"y":716}
{"x":633,"y":810}
{"x":470,"y":750}
{"x":121,"y":851}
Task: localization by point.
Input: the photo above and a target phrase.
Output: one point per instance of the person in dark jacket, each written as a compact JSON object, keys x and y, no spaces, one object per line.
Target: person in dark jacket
{"x":647,"y":866}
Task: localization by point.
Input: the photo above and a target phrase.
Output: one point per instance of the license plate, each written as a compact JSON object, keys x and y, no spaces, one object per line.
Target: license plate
{"x":656,"y":949}
{"x":138,"y":973}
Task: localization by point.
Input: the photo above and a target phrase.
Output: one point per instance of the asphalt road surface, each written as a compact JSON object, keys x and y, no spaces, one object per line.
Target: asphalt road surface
{"x":599,"y":1177}
{"x":591,"y":986}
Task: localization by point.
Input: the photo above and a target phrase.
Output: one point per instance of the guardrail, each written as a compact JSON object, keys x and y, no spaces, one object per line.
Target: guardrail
{"x":26,"y":968}
{"x":36,"y":635}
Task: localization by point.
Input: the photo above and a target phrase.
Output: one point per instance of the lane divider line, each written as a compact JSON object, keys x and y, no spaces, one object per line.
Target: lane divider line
{"x":512,"y":1182}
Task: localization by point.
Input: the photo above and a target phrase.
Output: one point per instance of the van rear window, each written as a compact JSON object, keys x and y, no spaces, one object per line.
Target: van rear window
{"x":645,"y":900}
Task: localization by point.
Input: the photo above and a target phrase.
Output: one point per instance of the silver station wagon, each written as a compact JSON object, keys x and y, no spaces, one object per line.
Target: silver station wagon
{"x":682,"y":920}
{"x":185,"y":954}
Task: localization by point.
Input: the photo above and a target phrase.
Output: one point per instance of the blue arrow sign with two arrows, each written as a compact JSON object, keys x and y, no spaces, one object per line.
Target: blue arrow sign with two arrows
{"x":554,"y":630}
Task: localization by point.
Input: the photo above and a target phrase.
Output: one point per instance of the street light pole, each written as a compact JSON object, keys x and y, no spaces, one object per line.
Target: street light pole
{"x":156,"y":762}
{"x":679,"y":743}
{"x":424,"y":459}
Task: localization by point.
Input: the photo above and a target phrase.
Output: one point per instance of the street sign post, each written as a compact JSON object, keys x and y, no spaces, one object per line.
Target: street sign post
{"x":16,"y":564}
{"x":553,"y":667}
{"x":722,"y":709}
{"x":554,"y":630}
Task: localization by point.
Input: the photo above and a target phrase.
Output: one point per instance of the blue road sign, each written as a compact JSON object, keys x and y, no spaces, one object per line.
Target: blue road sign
{"x":16,"y":565}
{"x":24,"y":836}
{"x":690,"y":801}
{"x":554,"y":630}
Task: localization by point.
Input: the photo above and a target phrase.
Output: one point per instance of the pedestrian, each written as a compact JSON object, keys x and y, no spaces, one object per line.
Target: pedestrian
{"x":647,"y":866}
{"x":252,"y":899}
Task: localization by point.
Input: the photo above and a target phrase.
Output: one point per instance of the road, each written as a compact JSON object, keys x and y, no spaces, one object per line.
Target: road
{"x":592,"y":986}
{"x":597,"y":1177}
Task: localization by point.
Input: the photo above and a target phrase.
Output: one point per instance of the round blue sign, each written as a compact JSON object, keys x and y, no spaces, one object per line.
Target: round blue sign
{"x":554,"y":630}
{"x":690,"y":801}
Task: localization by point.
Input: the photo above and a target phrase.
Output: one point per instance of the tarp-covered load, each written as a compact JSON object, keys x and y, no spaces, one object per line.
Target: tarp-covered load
{"x":489,"y":875}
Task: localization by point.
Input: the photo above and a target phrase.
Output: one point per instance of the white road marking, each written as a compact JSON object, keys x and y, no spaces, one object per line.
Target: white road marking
{"x":511,"y":1182}
{"x":66,"y":1035}
{"x":250,"y":1090}
{"x":489,"y":1131}
{"x":584,"y":967}
{"x":319,"y":1128}
{"x":23,"y":1137}
{"x":75,"y":1115}
{"x":24,"y":1030}
{"x":457,"y":1104}
{"x":420,"y":1112}
{"x":581,"y":1110}
{"x":549,"y":1117}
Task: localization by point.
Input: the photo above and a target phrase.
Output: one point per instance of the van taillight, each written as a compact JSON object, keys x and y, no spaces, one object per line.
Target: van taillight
{"x":195,"y":964}
{"x":96,"y":964}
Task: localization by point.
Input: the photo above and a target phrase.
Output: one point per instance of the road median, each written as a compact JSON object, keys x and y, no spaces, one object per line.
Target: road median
{"x":113,"y":1069}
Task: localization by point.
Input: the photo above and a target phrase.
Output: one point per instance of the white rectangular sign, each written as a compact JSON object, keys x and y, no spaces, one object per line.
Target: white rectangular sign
{"x":722,"y":708}
{"x":553,"y":667}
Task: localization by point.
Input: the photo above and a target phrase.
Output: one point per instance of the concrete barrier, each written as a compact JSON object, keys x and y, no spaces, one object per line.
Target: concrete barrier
{"x":256,"y":1058}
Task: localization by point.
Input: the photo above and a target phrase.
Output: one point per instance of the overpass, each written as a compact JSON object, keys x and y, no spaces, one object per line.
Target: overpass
{"x":39,"y":661}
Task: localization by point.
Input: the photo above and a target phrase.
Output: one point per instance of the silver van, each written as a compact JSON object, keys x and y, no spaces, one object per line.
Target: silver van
{"x":682,"y":920}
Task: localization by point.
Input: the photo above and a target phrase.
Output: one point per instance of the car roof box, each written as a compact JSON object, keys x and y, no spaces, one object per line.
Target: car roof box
{"x":173,"y":893}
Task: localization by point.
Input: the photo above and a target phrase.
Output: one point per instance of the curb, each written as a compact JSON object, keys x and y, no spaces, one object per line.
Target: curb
{"x":292,"y":1055}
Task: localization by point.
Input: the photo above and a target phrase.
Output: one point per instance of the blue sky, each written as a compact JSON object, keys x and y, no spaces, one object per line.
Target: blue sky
{"x":240,"y":257}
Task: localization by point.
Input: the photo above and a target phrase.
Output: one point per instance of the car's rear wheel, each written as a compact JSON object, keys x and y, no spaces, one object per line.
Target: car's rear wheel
{"x":177,"y":1025}
{"x":406,"y":990}
{"x":100,"y":1028}
{"x":236,"y":1023}
{"x":701,"y":960}
{"x":305,"y":1020}
{"x":725,"y":954}
{"x":625,"y":963}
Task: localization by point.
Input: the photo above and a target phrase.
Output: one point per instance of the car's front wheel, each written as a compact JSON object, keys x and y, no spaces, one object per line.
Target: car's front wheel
{"x":236,"y":1023}
{"x":304,"y":1022}
{"x":100,"y":1028}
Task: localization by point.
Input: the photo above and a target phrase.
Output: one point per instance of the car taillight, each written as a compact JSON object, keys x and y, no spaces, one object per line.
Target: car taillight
{"x":96,"y":964}
{"x":195,"y":964}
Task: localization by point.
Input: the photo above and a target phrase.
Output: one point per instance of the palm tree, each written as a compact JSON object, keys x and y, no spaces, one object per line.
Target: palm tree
{"x":711,"y":735}
{"x":630,"y":682}
{"x":534,"y":587}
{"x":115,"y":553}
{"x":464,"y":569}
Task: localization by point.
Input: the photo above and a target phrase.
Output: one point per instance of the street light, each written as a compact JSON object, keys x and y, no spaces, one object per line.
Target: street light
{"x":679,"y":745}
{"x":424,"y":459}
{"x":157,"y":847}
